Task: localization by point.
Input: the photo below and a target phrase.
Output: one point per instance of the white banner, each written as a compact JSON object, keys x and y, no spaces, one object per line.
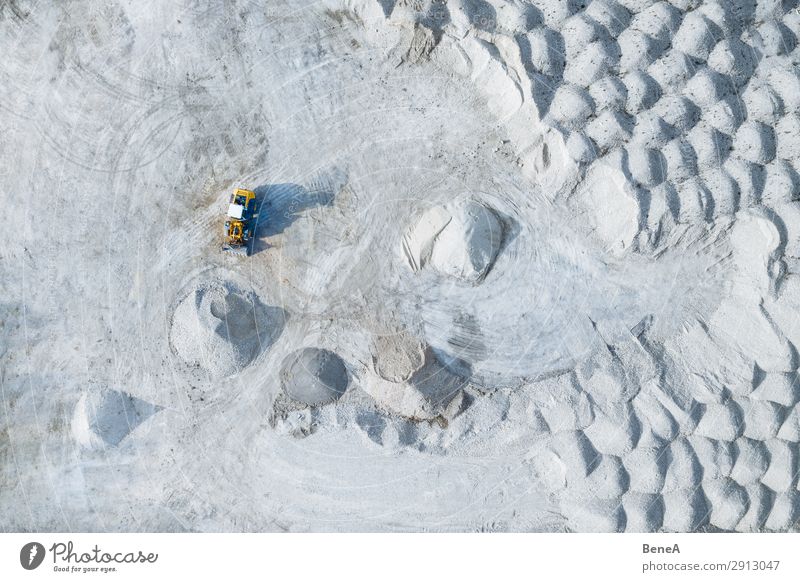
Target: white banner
{"x":381,"y":557}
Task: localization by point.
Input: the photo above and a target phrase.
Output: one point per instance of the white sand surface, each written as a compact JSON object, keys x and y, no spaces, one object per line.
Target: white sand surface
{"x":521,"y":265}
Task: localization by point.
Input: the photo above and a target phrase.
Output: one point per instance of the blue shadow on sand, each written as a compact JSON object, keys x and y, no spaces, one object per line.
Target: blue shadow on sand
{"x":279,"y":205}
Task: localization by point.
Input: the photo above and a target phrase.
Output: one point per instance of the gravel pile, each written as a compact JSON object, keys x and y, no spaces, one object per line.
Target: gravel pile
{"x":221,"y":328}
{"x":314,"y":376}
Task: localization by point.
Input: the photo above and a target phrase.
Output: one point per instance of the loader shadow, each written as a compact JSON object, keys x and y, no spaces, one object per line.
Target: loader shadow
{"x":280,"y":205}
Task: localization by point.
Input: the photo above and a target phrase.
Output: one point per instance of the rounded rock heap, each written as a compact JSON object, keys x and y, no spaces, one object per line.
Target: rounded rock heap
{"x":221,"y":328}
{"x":460,"y":240}
{"x":314,"y":376}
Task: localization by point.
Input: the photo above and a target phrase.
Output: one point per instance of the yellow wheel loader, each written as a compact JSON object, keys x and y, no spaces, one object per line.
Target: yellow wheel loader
{"x":241,"y":224}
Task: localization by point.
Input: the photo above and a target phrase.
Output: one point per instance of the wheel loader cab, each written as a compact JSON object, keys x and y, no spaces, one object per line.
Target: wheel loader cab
{"x":246,"y":199}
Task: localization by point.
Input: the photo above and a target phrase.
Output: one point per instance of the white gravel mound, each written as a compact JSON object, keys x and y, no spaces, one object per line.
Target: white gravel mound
{"x":781,"y":182}
{"x":581,"y":148}
{"x":783,"y":389}
{"x":609,"y":129}
{"x":571,"y":106}
{"x":396,"y":357}
{"x":774,"y":38}
{"x":733,"y":58}
{"x":221,"y":328}
{"x":785,"y":81}
{"x":788,"y":135}
{"x":707,"y":87}
{"x":762,"y":103}
{"x":643,"y":91}
{"x":752,"y":461}
{"x":680,"y":159}
{"x":762,"y":419}
{"x":709,"y":144}
{"x":647,"y":469}
{"x":461,"y":240}
{"x":672,"y":71}
{"x":785,"y":511}
{"x":638,"y":50}
{"x":411,"y":381}
{"x":684,"y":470}
{"x":721,"y":422}
{"x":748,"y":177}
{"x":695,"y":36}
{"x":660,"y":21}
{"x":685,"y":510}
{"x":573,"y":453}
{"x":651,"y":131}
{"x":648,"y":167}
{"x":781,"y":476}
{"x":755,"y":142}
{"x":644,"y":513}
{"x":761,"y":500}
{"x":678,"y":111}
{"x":608,"y":93}
{"x":728,"y":503}
{"x":577,"y":33}
{"x":611,"y":15}
{"x":314,"y":376}
{"x":590,"y":65}
{"x":616,"y":433}
{"x":725,"y":115}
{"x":790,"y":429}
{"x":545,"y":55}
{"x":716,"y":457}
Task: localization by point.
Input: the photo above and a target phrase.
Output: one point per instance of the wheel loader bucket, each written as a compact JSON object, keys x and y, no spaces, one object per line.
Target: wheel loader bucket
{"x":240,"y":250}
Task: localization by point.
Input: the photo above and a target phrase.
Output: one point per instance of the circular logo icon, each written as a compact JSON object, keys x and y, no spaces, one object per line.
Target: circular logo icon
{"x":31,"y":555}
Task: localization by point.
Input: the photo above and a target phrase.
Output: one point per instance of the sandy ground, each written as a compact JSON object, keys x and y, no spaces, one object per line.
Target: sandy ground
{"x":520,"y":266}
